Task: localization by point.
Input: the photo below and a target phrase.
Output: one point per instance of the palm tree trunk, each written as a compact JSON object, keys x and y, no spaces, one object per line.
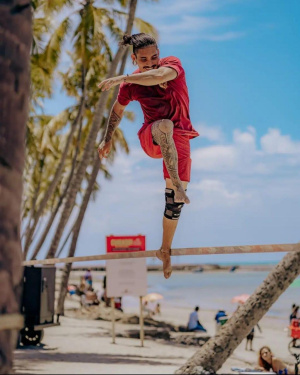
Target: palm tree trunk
{"x":35,"y":196}
{"x":76,"y":231}
{"x":214,"y":352}
{"x":56,"y":178}
{"x":15,"y":41}
{"x":61,"y":198}
{"x":57,"y":255}
{"x":89,"y":146}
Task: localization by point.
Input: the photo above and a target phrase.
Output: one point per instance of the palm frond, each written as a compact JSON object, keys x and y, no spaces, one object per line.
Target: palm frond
{"x":52,"y":51}
{"x":129,"y":115}
{"x":145,"y":27}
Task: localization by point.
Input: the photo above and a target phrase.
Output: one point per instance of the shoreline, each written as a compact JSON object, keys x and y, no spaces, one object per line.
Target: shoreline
{"x":197,"y":288}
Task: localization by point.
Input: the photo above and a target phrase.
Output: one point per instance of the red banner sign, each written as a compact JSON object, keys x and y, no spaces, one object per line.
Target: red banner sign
{"x":119,"y":244}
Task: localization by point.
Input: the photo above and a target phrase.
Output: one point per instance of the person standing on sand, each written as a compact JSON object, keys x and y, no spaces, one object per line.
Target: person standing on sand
{"x":249,"y":339}
{"x":159,"y":86}
{"x":88,"y":277}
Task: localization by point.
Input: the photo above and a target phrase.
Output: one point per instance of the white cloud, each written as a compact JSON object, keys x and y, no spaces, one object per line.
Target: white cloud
{"x":212,"y":133}
{"x":214,"y":158}
{"x":276,"y":143}
{"x":244,"y":157}
{"x":192,"y":24}
{"x":190,"y":28}
{"x":214,"y":191}
{"x":246,"y":140}
{"x":190,"y":20}
{"x":178,"y":7}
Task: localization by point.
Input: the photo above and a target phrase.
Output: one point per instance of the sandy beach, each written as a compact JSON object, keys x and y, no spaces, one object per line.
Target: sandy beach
{"x":83,"y":345}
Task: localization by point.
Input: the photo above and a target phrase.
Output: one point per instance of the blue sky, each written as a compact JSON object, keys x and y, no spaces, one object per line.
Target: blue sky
{"x":242,"y":60}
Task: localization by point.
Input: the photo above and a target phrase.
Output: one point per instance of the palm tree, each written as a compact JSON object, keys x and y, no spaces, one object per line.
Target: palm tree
{"x":89,"y":148}
{"x":15,"y":42}
{"x":210,"y":357}
{"x":118,"y":137}
{"x":45,"y":55}
{"x":88,"y":62}
{"x":56,"y":178}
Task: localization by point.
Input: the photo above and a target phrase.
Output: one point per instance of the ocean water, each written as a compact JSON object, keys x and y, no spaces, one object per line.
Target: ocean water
{"x":214,"y":290}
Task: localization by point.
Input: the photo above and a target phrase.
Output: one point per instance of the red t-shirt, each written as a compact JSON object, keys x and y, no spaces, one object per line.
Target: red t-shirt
{"x":158,"y":103}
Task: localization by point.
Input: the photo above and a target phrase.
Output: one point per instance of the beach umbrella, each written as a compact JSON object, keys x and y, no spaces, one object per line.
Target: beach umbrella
{"x":151,"y":297}
{"x":242,"y":298}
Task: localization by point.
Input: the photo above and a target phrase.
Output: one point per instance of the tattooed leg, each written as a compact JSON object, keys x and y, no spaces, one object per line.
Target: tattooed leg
{"x":162,"y":132}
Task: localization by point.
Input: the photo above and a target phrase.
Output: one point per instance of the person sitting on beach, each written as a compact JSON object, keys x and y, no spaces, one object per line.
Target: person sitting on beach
{"x":194,"y":324}
{"x":82,"y":288}
{"x":220,"y":315}
{"x":118,"y":303}
{"x":89,"y":297}
{"x":268,"y":362}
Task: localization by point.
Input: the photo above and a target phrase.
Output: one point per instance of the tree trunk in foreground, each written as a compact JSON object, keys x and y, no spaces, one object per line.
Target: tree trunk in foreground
{"x":15,"y":41}
{"x":211,"y":356}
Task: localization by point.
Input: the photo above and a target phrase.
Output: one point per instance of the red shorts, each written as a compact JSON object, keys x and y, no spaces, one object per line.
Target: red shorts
{"x":182,"y":144}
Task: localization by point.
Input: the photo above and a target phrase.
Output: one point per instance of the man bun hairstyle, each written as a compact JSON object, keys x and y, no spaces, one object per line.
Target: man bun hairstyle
{"x":138,"y":41}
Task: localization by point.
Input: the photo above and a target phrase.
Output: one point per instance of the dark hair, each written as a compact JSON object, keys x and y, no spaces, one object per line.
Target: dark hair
{"x":138,"y":41}
{"x":263,"y":363}
{"x":196,"y":308}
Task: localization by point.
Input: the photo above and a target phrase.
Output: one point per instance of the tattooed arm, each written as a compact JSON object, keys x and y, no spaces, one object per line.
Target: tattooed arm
{"x":113,"y":122}
{"x":149,"y":78}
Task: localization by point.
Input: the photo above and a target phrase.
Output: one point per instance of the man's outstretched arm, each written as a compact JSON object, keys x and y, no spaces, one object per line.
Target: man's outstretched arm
{"x":114,"y":120}
{"x":150,"y":78}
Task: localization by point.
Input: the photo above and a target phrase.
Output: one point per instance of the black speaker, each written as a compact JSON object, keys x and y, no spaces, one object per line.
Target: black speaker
{"x":38,"y":295}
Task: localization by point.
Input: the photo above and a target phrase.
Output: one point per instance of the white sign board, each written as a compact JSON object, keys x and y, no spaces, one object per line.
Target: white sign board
{"x":126,"y":277}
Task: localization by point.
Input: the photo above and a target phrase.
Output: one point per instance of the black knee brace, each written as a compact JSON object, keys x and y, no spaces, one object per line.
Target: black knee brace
{"x":172,"y":209}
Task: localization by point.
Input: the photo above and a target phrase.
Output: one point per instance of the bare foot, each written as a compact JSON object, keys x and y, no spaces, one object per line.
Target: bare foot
{"x":164,"y":256}
{"x":180,"y":196}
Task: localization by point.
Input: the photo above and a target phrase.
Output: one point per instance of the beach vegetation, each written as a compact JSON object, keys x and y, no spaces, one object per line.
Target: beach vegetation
{"x":75,"y":46}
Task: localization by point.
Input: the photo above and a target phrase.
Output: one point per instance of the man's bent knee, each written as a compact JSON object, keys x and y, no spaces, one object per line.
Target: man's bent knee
{"x":172,"y":208}
{"x":166,"y":126}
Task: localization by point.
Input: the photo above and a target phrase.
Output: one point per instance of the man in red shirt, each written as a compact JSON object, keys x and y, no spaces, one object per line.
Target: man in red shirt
{"x":159,"y":86}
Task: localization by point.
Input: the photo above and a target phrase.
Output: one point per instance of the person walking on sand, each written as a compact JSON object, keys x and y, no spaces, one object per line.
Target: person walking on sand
{"x":159,"y":85}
